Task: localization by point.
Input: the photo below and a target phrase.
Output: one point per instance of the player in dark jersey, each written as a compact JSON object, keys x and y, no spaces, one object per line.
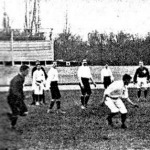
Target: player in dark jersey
{"x":16,"y":96}
{"x":141,"y":78}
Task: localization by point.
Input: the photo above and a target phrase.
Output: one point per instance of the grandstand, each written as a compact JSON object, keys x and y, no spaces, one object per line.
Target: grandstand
{"x":26,"y":52}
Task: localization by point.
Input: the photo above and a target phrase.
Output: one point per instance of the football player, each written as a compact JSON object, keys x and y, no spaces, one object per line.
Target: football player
{"x":113,"y":96}
{"x":141,"y":78}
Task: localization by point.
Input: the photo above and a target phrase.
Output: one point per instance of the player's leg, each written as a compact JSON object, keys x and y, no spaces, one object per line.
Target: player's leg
{"x":88,"y":93}
{"x":107,"y":81}
{"x":40,"y":98}
{"x":52,"y":90}
{"x":82,"y":97}
{"x":139,"y":86}
{"x":22,"y":108}
{"x":51,"y":106}
{"x":43,"y":97}
{"x":57,"y":96}
{"x":145,"y":93}
{"x":145,"y":87}
{"x":123,"y":120}
{"x":59,"y":110}
{"x":13,"y":117}
{"x":120,"y":105}
{"x":37,"y":99}
{"x":87,"y":96}
{"x":139,"y":93}
{"x":33,"y":98}
{"x":33,"y":94}
{"x":113,"y":110}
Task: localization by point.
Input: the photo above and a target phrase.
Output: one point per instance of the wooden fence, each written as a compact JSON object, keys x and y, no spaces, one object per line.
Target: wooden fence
{"x":16,"y":52}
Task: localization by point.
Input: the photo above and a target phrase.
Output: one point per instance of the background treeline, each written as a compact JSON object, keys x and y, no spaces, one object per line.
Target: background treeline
{"x":115,"y":49}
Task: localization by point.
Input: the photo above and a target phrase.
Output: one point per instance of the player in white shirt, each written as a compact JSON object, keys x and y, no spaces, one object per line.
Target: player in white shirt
{"x":113,"y":96}
{"x":84,"y":75}
{"x":52,"y":83}
{"x":38,"y":84}
{"x":106,"y":76}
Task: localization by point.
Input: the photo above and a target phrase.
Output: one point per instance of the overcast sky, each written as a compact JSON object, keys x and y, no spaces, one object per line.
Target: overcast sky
{"x":84,"y":16}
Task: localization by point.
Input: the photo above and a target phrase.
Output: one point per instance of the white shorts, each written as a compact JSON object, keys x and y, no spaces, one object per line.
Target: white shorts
{"x":142,"y":83}
{"x":38,"y":89}
{"x":115,"y":105}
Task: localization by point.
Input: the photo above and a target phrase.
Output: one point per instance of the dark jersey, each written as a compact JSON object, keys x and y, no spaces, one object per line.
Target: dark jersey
{"x":34,"y":69}
{"x":16,"y":88}
{"x":16,"y":96}
{"x":141,"y":72}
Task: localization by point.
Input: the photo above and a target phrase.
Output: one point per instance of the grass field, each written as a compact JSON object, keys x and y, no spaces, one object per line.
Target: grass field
{"x":77,"y":129}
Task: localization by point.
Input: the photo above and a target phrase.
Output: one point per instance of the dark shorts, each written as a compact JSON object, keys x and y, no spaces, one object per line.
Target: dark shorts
{"x":87,"y":88}
{"x":107,"y":81}
{"x":55,"y":93}
{"x":17,"y":106}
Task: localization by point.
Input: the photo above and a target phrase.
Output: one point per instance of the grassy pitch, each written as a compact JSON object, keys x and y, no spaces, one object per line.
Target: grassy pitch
{"x":77,"y":129}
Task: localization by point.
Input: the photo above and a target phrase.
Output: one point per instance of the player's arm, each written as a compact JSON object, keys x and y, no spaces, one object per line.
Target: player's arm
{"x":49,"y":79}
{"x":33,"y":70}
{"x":93,"y":81}
{"x":104,"y":98}
{"x":129,"y":100}
{"x":135,"y":76}
{"x":79,"y":77}
{"x":148,"y":76}
{"x":111,"y":75}
{"x":45,"y":74}
{"x":106,"y":94}
{"x":91,"y":78}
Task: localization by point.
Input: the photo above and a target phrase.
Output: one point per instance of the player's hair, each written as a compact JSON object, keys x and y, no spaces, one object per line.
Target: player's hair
{"x":126,"y":77}
{"x":23,"y":68}
{"x":37,"y":62}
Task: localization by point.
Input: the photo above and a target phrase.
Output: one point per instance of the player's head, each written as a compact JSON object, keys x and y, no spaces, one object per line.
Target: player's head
{"x":141,"y":64}
{"x":24,"y":70}
{"x":106,"y":65}
{"x":37,"y":62}
{"x":54,"y":64}
{"x":126,"y":79}
{"x":38,"y":65}
{"x":84,"y":62}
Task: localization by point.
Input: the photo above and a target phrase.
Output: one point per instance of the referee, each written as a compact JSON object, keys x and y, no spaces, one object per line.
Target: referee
{"x":84,"y":75}
{"x":52,"y":83}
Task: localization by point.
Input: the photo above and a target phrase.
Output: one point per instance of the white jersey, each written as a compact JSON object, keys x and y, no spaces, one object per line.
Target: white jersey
{"x":106,"y":72}
{"x":115,"y":92}
{"x":117,"y":89}
{"x":38,"y":83}
{"x":84,"y":72}
{"x":52,"y":76}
